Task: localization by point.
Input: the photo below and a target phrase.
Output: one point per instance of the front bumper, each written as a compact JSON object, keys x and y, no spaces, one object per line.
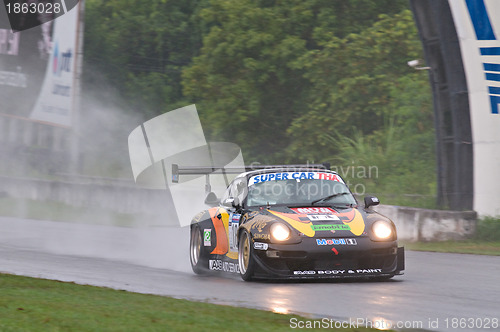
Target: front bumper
{"x":330,"y":259}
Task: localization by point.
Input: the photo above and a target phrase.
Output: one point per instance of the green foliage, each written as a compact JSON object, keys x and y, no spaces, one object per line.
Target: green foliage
{"x":242,"y":81}
{"x":141,"y":48}
{"x":401,"y":152}
{"x":253,"y":78}
{"x":288,"y":81}
{"x":353,"y":81}
{"x":370,"y":110}
{"x":488,"y":229}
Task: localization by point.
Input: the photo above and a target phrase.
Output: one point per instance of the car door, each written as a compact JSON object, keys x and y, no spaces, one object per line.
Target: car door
{"x":236,"y":193}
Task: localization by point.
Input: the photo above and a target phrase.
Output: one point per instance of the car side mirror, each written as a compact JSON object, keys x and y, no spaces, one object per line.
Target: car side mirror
{"x":371,"y":201}
{"x":211,"y":199}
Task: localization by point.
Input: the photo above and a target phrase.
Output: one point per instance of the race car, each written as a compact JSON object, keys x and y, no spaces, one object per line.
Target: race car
{"x":286,"y":222}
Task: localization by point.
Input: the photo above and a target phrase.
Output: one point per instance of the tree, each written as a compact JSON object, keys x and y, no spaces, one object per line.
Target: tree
{"x":140,"y":48}
{"x":352,"y":79}
{"x":248,"y":81}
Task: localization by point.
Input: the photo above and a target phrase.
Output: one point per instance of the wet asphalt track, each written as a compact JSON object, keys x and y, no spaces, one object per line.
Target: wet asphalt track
{"x":435,"y":289}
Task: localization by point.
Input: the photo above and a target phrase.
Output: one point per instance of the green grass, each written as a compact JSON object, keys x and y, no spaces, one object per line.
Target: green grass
{"x":28,"y":304}
{"x":460,"y":247}
{"x":485,"y":242}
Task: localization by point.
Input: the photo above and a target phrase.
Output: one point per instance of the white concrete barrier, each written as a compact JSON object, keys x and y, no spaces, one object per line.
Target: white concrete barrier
{"x":120,"y":196}
{"x":414,"y":224}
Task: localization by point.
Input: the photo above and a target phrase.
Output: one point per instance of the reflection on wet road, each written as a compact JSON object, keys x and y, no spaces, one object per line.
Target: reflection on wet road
{"x":435,"y":289}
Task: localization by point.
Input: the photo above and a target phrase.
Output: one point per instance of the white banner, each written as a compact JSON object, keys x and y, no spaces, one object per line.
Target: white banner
{"x":478,"y":27}
{"x":55,"y":102}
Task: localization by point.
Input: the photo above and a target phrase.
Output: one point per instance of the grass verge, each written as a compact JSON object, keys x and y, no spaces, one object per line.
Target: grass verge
{"x":29,"y":304}
{"x":460,"y":247}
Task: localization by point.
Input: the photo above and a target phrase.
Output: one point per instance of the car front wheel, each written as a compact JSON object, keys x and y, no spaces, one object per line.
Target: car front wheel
{"x":245,"y":256}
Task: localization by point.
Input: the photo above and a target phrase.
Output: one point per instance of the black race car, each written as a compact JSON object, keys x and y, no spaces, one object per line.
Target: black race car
{"x":287,"y":222}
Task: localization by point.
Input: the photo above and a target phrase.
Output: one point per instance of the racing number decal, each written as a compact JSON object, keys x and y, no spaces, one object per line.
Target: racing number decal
{"x":234,"y":224}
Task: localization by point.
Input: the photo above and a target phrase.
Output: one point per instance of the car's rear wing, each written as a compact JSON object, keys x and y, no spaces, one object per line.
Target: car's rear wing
{"x":177,"y":170}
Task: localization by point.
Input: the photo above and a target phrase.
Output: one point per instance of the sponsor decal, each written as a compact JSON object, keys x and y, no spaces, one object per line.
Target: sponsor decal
{"x":314,"y":210}
{"x":251,"y":215}
{"x":338,"y":272}
{"x":488,"y":49}
{"x":61,"y":61}
{"x":336,"y":242}
{"x":318,"y":228}
{"x":260,"y":246}
{"x":207,"y":237}
{"x":323,"y":217}
{"x":235,"y":217}
{"x":234,"y":224}
{"x":366,"y":271}
{"x":294,"y":176}
{"x":351,"y":242}
{"x":261,"y":236}
{"x":219,"y":265}
{"x":304,"y":272}
{"x":259,"y":225}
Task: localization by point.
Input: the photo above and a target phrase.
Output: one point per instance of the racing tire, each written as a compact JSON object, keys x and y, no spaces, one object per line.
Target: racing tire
{"x":196,"y":253}
{"x":246,"y":259}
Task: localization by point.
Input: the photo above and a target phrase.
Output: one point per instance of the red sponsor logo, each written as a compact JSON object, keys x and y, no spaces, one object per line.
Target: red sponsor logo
{"x":329,"y":176}
{"x":314,"y":210}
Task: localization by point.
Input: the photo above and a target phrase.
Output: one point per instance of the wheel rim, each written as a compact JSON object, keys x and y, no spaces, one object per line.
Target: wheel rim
{"x":244,"y":254}
{"x":195,"y":246}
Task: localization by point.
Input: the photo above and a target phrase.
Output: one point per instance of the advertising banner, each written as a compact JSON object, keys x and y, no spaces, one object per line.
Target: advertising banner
{"x":37,"y":63}
{"x":478,"y":28}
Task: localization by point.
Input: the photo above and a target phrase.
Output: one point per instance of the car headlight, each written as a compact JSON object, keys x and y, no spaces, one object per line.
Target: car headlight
{"x":280,"y":232}
{"x":382,"y":230}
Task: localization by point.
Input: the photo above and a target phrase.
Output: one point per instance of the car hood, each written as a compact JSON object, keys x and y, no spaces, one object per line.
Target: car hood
{"x":321,"y":221}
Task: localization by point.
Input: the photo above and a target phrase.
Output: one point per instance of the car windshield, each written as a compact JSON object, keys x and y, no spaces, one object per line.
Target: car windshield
{"x":295,"y":188}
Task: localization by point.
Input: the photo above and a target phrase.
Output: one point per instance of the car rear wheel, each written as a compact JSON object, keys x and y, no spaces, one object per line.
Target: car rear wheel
{"x":245,"y":256}
{"x":196,"y":250}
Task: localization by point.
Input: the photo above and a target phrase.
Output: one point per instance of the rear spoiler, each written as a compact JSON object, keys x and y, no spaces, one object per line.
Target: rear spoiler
{"x":207,"y":170}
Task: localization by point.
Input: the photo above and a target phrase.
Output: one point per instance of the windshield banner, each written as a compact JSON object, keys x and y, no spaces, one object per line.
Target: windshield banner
{"x":294,"y":176}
